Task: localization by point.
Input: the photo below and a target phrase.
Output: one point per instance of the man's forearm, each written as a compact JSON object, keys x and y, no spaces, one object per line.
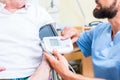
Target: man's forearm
{"x":42,"y":72}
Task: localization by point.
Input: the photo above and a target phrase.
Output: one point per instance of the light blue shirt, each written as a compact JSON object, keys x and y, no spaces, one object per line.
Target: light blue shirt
{"x":105,"y":52}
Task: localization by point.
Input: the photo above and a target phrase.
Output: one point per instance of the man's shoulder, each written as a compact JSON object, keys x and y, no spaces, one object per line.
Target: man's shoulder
{"x":34,"y":7}
{"x":102,"y":26}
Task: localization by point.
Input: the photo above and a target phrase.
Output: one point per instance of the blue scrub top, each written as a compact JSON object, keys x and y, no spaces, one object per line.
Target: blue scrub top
{"x":105,"y":52}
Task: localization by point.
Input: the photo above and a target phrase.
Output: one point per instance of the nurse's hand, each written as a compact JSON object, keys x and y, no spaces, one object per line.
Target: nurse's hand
{"x":2,"y":69}
{"x":70,"y":32}
{"x":58,"y":62}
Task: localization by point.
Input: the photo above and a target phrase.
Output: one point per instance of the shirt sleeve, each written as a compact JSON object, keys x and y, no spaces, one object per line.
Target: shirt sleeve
{"x":44,"y":16}
{"x":85,"y":42}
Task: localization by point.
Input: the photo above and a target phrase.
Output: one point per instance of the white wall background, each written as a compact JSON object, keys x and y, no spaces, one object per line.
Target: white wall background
{"x":69,"y":12}
{"x":54,"y":11}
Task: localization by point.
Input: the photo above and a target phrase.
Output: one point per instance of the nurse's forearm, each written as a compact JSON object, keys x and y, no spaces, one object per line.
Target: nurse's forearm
{"x":72,"y":76}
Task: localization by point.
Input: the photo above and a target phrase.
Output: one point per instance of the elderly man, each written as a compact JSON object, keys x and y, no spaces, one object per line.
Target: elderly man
{"x":20,"y":52}
{"x":102,"y":43}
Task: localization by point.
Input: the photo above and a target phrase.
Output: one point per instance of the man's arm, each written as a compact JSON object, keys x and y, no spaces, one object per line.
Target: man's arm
{"x":2,"y":69}
{"x":42,"y":72}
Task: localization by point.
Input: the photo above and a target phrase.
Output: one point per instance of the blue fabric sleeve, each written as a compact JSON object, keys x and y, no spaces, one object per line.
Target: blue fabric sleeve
{"x":85,"y":42}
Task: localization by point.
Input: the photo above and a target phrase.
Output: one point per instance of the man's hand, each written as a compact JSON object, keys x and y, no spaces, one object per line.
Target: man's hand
{"x":2,"y":69}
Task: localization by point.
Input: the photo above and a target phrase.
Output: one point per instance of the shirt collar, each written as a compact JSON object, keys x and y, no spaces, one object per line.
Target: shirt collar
{"x":117,"y":38}
{"x":22,"y":10}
